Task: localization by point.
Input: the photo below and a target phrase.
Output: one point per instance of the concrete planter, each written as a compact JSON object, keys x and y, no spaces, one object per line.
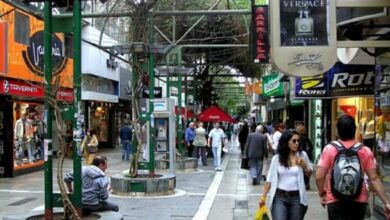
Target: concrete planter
{"x":143,"y":185}
{"x":58,"y":212}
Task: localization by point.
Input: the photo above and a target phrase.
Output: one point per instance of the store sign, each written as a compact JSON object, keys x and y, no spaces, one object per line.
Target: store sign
{"x":33,"y":55}
{"x":16,"y":88}
{"x":341,"y":80}
{"x":315,"y":86}
{"x":351,"y":80}
{"x":157,"y":92}
{"x":303,"y":36}
{"x":260,"y":32}
{"x":272,"y":86}
{"x":25,"y":89}
{"x":65,"y":95}
{"x":3,"y":47}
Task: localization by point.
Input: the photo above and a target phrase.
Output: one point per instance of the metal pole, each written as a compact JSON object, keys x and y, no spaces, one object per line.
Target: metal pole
{"x":151,"y":97}
{"x":168,"y":78}
{"x":180,"y":126}
{"x":77,"y":105}
{"x":164,"y":13}
{"x":48,"y":112}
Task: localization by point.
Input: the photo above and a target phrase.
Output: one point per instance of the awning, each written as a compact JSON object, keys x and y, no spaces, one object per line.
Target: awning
{"x":214,"y":114}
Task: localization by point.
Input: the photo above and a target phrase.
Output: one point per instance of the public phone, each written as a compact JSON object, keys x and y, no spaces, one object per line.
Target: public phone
{"x":164,"y":125}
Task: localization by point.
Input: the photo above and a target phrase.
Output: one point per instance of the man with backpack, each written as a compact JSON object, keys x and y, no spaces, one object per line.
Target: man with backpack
{"x":342,"y":165}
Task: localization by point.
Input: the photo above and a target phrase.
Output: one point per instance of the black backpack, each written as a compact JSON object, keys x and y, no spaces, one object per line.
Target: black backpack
{"x":347,"y":174}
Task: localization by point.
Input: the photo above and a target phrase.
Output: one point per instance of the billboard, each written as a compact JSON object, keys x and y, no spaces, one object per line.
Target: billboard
{"x":26,"y":49}
{"x":303,"y":23}
{"x":340,"y":81}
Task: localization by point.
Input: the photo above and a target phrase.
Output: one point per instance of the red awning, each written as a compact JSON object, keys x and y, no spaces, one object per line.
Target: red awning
{"x":214,"y":114}
{"x":190,"y":113}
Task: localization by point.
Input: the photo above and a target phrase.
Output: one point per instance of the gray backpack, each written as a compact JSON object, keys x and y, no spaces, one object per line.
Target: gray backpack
{"x":347,"y":174}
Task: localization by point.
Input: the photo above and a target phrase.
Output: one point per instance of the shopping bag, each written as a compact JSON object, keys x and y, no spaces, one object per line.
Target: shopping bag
{"x":244,"y":163}
{"x":262,"y":214}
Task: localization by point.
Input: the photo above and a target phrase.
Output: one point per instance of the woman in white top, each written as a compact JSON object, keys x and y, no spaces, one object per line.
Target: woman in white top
{"x":285,"y":181}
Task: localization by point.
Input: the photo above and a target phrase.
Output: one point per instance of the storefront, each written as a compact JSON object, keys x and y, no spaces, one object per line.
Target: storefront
{"x":22,"y":137}
{"x":382,"y":143}
{"x":22,"y":114}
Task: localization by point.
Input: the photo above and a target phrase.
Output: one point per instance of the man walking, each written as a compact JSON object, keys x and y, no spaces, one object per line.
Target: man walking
{"x":95,"y":187}
{"x":189,"y":138}
{"x":216,"y":138}
{"x":126,"y":134}
{"x":256,"y":151}
{"x":334,"y":196}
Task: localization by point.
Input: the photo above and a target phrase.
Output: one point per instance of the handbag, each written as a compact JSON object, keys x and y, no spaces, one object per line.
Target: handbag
{"x":244,"y":163}
{"x":262,"y":214}
{"x":92,"y":150}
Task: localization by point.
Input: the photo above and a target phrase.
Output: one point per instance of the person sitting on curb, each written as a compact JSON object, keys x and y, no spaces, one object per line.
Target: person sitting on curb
{"x":95,"y":187}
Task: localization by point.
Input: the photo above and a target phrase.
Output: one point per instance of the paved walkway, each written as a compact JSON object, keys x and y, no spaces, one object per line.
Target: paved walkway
{"x":200,"y":195}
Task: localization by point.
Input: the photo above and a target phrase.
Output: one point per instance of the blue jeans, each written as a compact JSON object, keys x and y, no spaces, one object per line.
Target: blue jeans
{"x":126,"y":148}
{"x":217,"y":156}
{"x":102,"y":206}
{"x":341,"y":210}
{"x":255,"y":168}
{"x":287,"y":208}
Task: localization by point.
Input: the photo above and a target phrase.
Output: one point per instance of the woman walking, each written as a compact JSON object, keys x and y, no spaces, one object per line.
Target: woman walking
{"x":90,"y":146}
{"x":285,"y":180}
{"x":200,"y":143}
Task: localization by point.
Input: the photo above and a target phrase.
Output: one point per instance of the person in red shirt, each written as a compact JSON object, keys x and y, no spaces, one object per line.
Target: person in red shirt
{"x":346,"y":209}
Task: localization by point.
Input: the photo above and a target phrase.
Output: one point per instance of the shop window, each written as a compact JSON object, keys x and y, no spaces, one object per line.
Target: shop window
{"x":99,"y":118}
{"x":28,"y":134}
{"x":22,"y":28}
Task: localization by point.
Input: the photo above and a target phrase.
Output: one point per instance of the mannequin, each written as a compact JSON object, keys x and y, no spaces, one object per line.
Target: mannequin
{"x":367,"y":129}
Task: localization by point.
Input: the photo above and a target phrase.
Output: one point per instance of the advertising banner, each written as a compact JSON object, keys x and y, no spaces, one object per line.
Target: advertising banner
{"x":260,"y":33}
{"x":351,"y":80}
{"x":3,"y":47}
{"x":272,"y":86}
{"x":311,"y":87}
{"x":303,"y":33}
{"x":341,"y":81}
{"x":303,"y":23}
{"x":26,"y":49}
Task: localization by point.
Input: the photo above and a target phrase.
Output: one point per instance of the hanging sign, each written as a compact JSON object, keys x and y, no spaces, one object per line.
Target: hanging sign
{"x":272,"y":86}
{"x":260,"y":33}
{"x":311,"y":87}
{"x":303,"y":36}
{"x":351,"y":80}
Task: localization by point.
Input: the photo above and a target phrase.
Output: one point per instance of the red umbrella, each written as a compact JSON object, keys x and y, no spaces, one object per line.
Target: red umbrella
{"x":214,"y":114}
{"x":190,"y":113}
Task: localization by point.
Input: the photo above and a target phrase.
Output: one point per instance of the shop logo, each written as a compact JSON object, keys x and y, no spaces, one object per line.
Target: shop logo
{"x":34,"y":53}
{"x":6,"y":86}
{"x":312,"y":82}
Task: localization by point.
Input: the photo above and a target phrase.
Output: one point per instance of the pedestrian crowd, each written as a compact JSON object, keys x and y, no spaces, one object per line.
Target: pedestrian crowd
{"x":281,"y":158}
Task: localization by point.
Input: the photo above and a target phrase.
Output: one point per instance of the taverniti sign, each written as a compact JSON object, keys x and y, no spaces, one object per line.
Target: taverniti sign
{"x":25,"y":89}
{"x":33,"y":55}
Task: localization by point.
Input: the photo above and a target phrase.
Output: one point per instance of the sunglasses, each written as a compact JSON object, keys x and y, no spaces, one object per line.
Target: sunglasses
{"x":295,"y":141}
